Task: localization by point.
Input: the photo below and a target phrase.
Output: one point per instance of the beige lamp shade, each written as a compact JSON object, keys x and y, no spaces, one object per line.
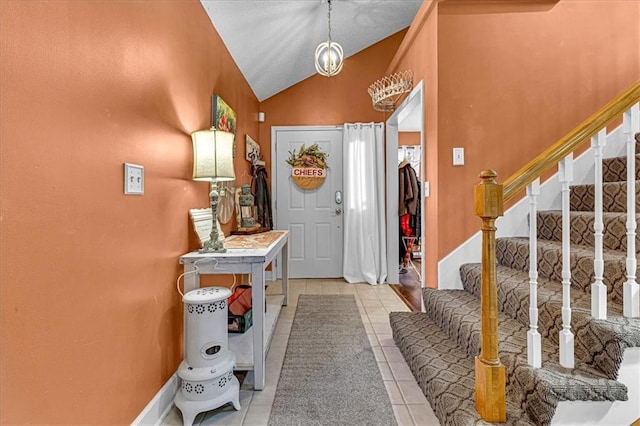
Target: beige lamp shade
{"x":213,"y":155}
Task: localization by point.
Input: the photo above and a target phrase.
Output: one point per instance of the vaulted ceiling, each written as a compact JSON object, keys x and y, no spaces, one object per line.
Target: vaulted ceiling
{"x":273,"y":41}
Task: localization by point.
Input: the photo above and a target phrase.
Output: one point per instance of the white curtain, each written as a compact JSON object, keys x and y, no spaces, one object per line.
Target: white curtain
{"x":365,"y":244}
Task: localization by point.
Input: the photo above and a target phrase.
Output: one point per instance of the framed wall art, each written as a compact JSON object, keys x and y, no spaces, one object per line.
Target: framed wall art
{"x":252,"y":150}
{"x":224,"y":118}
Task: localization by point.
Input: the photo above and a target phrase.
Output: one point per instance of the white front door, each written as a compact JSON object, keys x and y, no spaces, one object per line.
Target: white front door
{"x":313,"y":217}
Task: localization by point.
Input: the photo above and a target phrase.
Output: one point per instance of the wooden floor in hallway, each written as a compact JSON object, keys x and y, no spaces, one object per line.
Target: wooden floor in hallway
{"x":409,"y":289}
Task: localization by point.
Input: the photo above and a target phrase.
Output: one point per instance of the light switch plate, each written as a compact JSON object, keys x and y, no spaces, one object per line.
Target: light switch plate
{"x":458,"y":156}
{"x":133,"y":179}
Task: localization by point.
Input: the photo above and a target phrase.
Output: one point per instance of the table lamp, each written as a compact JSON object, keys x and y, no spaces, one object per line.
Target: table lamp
{"x":213,"y":161}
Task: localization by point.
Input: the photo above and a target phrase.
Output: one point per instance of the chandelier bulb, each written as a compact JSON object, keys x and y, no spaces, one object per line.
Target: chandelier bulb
{"x":329,"y":55}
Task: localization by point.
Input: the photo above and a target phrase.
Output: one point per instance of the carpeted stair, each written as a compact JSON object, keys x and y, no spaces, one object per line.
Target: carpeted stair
{"x":441,"y":343}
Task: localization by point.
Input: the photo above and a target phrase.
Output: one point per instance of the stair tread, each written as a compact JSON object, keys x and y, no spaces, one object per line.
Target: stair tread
{"x":551,"y":290}
{"x":513,"y":340}
{"x":549,"y":227}
{"x":548,"y":288}
{"x":458,"y":313}
{"x":614,"y":197}
{"x":605,"y":215}
{"x":579,"y":250}
{"x":514,"y":253}
{"x":443,"y":371}
{"x":615,"y":168}
{"x":598,"y":342}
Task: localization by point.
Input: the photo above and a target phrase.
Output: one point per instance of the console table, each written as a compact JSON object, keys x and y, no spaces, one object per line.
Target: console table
{"x":247,"y":254}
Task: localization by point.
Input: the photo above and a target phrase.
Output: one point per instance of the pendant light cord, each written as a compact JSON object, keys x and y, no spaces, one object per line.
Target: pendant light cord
{"x":329,"y":19}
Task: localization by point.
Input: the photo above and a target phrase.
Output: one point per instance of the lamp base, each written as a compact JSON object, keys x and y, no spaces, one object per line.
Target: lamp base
{"x":214,"y":245}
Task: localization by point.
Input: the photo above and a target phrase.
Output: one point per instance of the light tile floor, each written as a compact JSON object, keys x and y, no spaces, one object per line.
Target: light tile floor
{"x":374,"y":302}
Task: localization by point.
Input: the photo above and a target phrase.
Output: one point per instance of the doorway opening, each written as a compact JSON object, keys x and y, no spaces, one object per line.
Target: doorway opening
{"x":405,"y":236}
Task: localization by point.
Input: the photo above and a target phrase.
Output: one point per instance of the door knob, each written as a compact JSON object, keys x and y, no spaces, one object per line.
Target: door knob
{"x":338,"y":210}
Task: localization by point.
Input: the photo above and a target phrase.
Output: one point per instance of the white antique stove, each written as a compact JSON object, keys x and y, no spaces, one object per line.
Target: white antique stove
{"x":207,"y":370}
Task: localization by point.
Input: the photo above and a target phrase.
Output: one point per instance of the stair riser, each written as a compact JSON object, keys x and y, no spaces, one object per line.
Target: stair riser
{"x":514,"y":253}
{"x":614,"y":197}
{"x":615,"y":169}
{"x":614,"y":234}
{"x":457,"y":328}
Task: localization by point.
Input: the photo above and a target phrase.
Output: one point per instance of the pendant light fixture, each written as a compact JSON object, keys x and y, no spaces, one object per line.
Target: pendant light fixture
{"x":329,"y":55}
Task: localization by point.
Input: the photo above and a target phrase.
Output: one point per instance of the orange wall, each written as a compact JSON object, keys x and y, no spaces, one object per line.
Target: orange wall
{"x":408,"y":138}
{"x":513,"y":77}
{"x":419,"y":53}
{"x":91,"y":322}
{"x":336,"y":100}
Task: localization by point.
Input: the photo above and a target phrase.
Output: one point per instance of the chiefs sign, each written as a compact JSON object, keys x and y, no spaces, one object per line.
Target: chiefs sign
{"x":309,"y":167}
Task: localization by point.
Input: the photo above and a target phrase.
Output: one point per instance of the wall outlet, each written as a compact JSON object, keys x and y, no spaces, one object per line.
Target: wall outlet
{"x":426,"y":189}
{"x":458,"y":156}
{"x":133,"y":179}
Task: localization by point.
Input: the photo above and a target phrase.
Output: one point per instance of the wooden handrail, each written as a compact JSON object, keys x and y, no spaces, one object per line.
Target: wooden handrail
{"x":570,"y":142}
{"x":489,"y":198}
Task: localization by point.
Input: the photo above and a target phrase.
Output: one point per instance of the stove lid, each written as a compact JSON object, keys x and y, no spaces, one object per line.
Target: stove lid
{"x":206,"y":295}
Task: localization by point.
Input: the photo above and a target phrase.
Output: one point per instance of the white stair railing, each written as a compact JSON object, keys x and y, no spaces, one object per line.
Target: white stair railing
{"x":489,"y":199}
{"x":534,"y":347}
{"x":566,"y":336}
{"x":598,"y":289}
{"x":631,"y":290}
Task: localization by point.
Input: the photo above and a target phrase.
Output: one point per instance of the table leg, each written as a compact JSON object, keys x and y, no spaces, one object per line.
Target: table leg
{"x":191,"y":277}
{"x":285,"y":272}
{"x":258,"y":303}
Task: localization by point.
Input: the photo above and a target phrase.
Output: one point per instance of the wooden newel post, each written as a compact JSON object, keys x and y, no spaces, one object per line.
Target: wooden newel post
{"x":490,"y":373}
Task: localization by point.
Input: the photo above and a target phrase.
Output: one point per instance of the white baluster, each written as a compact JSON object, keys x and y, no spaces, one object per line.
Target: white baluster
{"x":566,"y":336}
{"x":534,"y":347}
{"x":598,"y":289}
{"x":631,"y":290}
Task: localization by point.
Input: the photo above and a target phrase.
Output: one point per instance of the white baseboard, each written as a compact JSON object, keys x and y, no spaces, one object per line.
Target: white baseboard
{"x":449,"y":266}
{"x":159,"y":406}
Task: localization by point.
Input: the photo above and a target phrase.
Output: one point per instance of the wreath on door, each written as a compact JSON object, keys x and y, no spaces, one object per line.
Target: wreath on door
{"x":308,"y":166}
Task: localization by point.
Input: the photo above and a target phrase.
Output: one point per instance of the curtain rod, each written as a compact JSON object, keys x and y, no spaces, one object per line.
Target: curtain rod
{"x":363,"y":124}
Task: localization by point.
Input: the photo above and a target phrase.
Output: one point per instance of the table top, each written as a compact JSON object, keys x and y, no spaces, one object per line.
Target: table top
{"x":255,"y":247}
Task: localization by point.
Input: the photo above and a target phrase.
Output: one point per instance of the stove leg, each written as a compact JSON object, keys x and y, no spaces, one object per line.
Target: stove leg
{"x":188,"y":417}
{"x":235,"y":384}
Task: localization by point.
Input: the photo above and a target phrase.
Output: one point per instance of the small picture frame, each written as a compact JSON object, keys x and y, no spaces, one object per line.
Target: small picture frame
{"x":252,"y":150}
{"x":202,"y":220}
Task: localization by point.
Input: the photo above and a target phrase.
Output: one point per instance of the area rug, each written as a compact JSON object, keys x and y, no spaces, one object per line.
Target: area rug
{"x":329,"y":375}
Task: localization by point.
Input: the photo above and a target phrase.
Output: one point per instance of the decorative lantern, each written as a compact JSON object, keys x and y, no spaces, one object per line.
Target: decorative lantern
{"x":247,"y":216}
